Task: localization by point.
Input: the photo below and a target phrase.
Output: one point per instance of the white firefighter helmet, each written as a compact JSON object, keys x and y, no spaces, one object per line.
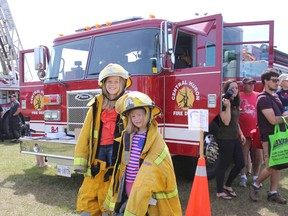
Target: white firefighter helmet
{"x":114,"y":70}
{"x":136,"y":99}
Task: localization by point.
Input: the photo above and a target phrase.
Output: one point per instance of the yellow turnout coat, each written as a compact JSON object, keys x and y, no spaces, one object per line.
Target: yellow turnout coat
{"x":154,"y":190}
{"x":93,"y":190}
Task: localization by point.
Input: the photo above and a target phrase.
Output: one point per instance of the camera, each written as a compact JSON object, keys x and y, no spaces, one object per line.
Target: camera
{"x":228,"y":94}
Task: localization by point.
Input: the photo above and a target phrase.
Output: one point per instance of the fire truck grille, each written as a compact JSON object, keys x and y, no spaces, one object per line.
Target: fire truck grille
{"x":77,"y":108}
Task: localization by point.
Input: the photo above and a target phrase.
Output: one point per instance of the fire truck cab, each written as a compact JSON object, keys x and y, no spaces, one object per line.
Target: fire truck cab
{"x":180,"y":65}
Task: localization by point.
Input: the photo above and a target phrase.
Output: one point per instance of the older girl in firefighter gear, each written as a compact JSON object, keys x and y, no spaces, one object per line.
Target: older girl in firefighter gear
{"x":96,"y":150}
{"x":143,"y":180}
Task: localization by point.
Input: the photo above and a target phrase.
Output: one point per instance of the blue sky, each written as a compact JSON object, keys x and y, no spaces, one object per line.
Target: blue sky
{"x":38,"y":22}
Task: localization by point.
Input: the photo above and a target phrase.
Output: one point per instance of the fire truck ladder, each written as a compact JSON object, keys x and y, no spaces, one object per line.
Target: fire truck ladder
{"x":9,"y":46}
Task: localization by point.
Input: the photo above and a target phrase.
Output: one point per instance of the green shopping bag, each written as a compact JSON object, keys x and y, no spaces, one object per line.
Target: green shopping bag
{"x":279,"y":147}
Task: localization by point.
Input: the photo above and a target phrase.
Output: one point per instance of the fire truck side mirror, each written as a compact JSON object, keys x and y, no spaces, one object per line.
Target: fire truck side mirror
{"x":41,"y":74}
{"x":40,"y":58}
{"x":166,"y":43}
{"x":168,"y":38}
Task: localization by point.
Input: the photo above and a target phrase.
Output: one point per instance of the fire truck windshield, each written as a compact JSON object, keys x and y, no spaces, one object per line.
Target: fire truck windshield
{"x":137,"y":51}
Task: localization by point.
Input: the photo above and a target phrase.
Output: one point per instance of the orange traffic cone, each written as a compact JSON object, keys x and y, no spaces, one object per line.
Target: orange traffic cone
{"x":199,"y":200}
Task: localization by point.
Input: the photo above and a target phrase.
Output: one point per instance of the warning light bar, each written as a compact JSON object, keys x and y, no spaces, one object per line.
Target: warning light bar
{"x":54,"y":99}
{"x":87,"y":28}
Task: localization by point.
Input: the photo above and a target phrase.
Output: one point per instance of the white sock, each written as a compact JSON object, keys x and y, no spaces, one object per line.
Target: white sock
{"x":244,"y":176}
{"x":256,"y":185}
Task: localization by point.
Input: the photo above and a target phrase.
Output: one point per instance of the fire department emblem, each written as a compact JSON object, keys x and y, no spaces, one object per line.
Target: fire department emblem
{"x":38,"y":102}
{"x":185,"y":93}
{"x":185,"y":98}
{"x":129,"y":103}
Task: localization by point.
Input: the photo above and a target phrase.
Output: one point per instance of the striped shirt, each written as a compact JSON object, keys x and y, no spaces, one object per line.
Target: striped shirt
{"x":136,"y":150}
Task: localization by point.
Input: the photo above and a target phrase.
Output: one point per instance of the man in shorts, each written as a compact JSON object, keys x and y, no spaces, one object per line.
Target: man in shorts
{"x":269,"y":112}
{"x":247,"y":122}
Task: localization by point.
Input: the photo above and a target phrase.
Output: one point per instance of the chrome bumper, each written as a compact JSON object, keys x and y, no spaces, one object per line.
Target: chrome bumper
{"x":59,"y":149}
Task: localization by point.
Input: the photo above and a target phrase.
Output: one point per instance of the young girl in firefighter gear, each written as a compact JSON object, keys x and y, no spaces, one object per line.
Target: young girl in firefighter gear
{"x":96,"y":150}
{"x":143,"y":181}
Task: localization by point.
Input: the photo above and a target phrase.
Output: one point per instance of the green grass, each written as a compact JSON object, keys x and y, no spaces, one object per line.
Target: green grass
{"x":29,"y":190}
{"x":242,"y":205}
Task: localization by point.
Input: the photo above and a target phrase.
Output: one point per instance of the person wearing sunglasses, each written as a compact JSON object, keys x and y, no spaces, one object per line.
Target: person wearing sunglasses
{"x":248,"y":122}
{"x":269,"y":111}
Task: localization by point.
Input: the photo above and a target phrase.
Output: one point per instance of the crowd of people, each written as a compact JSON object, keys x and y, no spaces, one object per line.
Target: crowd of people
{"x":241,"y":114}
{"x":126,"y":163}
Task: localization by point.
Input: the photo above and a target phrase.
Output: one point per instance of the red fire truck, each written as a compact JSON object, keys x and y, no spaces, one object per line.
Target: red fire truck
{"x":180,"y":65}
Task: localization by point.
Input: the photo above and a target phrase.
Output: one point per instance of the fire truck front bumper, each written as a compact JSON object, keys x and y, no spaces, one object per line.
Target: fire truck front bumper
{"x":55,"y":150}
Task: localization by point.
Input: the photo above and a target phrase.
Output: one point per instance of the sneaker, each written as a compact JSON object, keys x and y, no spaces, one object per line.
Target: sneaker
{"x":254,"y":181}
{"x":276,"y":197}
{"x":243,"y":182}
{"x":254,"y":193}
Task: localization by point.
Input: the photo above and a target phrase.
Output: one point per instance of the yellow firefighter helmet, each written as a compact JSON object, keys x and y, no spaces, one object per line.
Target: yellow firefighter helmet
{"x":114,"y":70}
{"x":133,"y":100}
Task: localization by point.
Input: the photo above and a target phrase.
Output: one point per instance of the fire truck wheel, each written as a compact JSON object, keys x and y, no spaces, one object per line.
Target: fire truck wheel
{"x":211,"y":150}
{"x":7,"y":130}
{"x":6,"y":127}
{"x":185,"y":166}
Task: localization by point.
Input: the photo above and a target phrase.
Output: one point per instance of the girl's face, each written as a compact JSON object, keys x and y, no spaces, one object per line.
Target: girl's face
{"x":113,"y":85}
{"x":138,"y":118}
{"x":234,"y":87}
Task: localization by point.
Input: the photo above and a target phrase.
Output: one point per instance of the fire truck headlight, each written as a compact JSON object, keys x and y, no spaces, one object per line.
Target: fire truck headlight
{"x":52,"y":115}
{"x":54,"y":99}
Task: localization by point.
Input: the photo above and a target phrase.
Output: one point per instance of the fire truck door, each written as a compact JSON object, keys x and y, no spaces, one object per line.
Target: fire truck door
{"x":31,"y":93}
{"x":195,"y":82}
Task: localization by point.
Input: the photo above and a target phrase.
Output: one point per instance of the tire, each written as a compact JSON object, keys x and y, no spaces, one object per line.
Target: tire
{"x":6,"y":127}
{"x":212,"y":168}
{"x":185,"y":166}
{"x":7,"y":130}
{"x":210,"y":143}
